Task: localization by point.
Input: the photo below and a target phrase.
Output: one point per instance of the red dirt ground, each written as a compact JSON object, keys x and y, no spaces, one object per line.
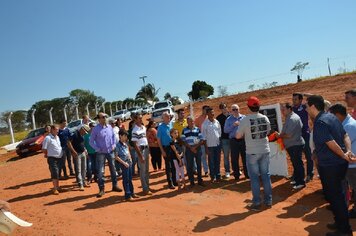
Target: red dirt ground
{"x":217,"y":209}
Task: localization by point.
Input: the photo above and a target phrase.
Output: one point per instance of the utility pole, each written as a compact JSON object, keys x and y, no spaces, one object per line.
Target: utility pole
{"x":143,"y":80}
{"x":329,"y":67}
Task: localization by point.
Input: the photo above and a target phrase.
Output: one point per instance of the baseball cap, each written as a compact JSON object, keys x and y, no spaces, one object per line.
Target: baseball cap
{"x":86,"y":128}
{"x":253,"y":102}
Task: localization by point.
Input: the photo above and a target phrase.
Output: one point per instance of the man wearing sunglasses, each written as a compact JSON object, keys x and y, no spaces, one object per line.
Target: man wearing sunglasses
{"x":102,"y":139}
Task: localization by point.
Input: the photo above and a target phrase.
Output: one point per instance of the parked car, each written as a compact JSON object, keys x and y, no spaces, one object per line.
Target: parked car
{"x":32,"y":143}
{"x":157,"y":114}
{"x":146,"y":110}
{"x":162,"y":104}
{"x":122,"y":114}
{"x":75,"y":124}
{"x":135,"y":110}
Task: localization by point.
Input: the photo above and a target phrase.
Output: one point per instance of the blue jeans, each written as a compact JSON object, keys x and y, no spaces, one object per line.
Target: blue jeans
{"x":308,"y":155}
{"x":193,"y":158}
{"x":100,"y":164}
{"x":134,"y":159}
{"x":91,"y":167}
{"x":295,"y":153}
{"x":203,"y":159}
{"x":225,"y":147}
{"x":214,"y":162}
{"x":258,"y":165}
{"x":332,"y":180}
{"x":127,"y":179}
{"x":81,"y":162}
{"x":170,"y":169}
{"x":144,"y":169}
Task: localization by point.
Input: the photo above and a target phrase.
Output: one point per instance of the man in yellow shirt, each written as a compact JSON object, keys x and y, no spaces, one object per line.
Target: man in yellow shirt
{"x":181,"y":122}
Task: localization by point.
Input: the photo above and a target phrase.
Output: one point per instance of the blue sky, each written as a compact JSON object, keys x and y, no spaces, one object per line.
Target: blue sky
{"x":48,"y":48}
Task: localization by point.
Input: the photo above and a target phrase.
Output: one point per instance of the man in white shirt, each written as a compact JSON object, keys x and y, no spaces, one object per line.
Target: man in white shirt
{"x":52,"y":150}
{"x":211,"y":131}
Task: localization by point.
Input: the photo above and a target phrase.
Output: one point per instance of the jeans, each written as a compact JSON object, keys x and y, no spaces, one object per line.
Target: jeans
{"x":100,"y":165}
{"x":238,"y":147}
{"x":258,"y":165}
{"x":134,"y":158}
{"x":66,"y":157}
{"x":308,"y":155}
{"x":91,"y":167}
{"x":351,"y":179}
{"x":144,"y":169}
{"x":63,"y":165}
{"x":214,"y":162}
{"x":191,"y":159}
{"x":156,"y":157}
{"x":127,"y":179}
{"x":81,"y":161}
{"x":295,"y":153}
{"x":203,"y":159}
{"x":170,"y":170}
{"x":225,"y":147}
{"x":332,"y":178}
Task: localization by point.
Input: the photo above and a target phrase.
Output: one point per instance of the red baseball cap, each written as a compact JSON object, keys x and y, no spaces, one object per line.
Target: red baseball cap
{"x":253,"y":102}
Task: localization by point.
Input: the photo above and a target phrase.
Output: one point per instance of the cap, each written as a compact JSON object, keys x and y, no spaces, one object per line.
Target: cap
{"x":86,"y":128}
{"x":8,"y":222}
{"x":253,"y":102}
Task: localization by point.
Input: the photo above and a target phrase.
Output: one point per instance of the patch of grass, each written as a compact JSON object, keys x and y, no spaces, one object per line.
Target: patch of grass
{"x":6,"y":138}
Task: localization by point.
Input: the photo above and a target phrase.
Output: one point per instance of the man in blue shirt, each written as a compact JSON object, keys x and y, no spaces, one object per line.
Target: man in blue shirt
{"x":164,"y":140}
{"x":349,"y":125}
{"x":63,"y":135}
{"x":238,"y":146}
{"x":333,"y":151}
{"x":300,"y":110}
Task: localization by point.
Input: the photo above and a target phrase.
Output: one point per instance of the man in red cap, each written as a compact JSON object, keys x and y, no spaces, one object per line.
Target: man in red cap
{"x":255,"y":128}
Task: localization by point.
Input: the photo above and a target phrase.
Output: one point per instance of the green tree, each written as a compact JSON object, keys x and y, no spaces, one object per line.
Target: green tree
{"x":148,"y":93}
{"x":18,"y":120}
{"x":167,"y":96}
{"x":82,"y":98}
{"x":299,"y":68}
{"x":201,"y":89}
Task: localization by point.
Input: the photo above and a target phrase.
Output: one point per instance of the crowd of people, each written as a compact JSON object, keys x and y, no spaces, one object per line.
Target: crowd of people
{"x":324,"y":132}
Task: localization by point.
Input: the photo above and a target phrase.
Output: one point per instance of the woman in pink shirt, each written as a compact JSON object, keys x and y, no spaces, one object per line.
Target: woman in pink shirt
{"x":155,"y":151}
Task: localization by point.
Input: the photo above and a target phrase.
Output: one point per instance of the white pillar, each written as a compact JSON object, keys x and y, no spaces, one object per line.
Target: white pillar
{"x":33,"y":119}
{"x":76,"y":111}
{"x":96,"y":108}
{"x":87,"y":108}
{"x":110,"y":108}
{"x":50,"y":116}
{"x":103,"y":105}
{"x":10,"y":127}
{"x":121,"y":105}
{"x":191,"y":107}
{"x":116,"y":106}
{"x":65,"y":112}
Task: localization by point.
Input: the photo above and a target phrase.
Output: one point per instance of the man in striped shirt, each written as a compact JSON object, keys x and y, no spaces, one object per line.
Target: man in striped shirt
{"x":193,"y":140}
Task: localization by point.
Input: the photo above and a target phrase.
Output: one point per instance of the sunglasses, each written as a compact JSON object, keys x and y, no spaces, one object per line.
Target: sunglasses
{"x":103,"y":117}
{"x":235,"y":109}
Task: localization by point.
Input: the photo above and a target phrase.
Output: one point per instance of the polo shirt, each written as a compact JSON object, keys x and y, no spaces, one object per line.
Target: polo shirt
{"x":211,"y":132}
{"x":222,"y":119}
{"x":229,"y":125}
{"x":53,"y":146}
{"x":139,"y":135}
{"x":327,"y":128}
{"x":349,"y":125}
{"x":293,"y":127}
{"x":77,"y":142}
{"x":191,"y":136}
{"x":180,"y":125}
{"x":303,"y":114}
{"x":163,"y":133}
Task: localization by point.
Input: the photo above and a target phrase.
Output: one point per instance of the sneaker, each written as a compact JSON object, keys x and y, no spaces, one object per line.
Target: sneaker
{"x":308,"y":179}
{"x":299,"y":186}
{"x":129,"y":199}
{"x":72,"y":174}
{"x":254,"y":207}
{"x":171,"y":187}
{"x":55,"y":192}
{"x":148,"y":192}
{"x":100,"y":194}
{"x":134,"y":196}
{"x":268,"y":205}
{"x":116,"y":189}
{"x":81,"y":188}
{"x":227,"y":175}
{"x":293,"y":182}
{"x":206,"y":174}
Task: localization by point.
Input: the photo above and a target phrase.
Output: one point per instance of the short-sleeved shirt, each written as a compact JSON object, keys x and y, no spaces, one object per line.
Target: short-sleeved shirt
{"x":53,"y":146}
{"x":178,"y":148}
{"x":222,"y":119}
{"x":327,"y":128}
{"x":152,"y":137}
{"x":211,"y":131}
{"x":63,"y":135}
{"x":255,"y":128}
{"x":163,"y":133}
{"x":349,"y":125}
{"x":139,"y":135}
{"x":303,"y":114}
{"x":89,"y":148}
{"x":77,"y":142}
{"x":229,"y":126}
{"x":293,"y":127}
{"x":191,"y":136}
{"x":178,"y":125}
{"x":122,"y":151}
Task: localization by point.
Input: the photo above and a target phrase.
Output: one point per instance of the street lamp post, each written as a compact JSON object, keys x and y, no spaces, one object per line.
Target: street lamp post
{"x":10,"y":127}
{"x":50,"y":115}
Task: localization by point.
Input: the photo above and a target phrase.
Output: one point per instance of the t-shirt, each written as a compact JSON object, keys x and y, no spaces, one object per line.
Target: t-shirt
{"x":349,"y":125}
{"x":63,"y":135}
{"x":77,"y":142}
{"x":255,"y":128}
{"x":89,"y":148}
{"x":152,"y":137}
{"x":211,"y":131}
{"x":122,"y":151}
{"x":293,"y":127}
{"x":139,"y":135}
{"x":163,"y":133}
{"x":327,"y":128}
{"x":222,"y":118}
{"x":53,"y":146}
{"x":191,"y":136}
{"x":180,"y":125}
{"x":303,"y":114}
{"x":178,"y":148}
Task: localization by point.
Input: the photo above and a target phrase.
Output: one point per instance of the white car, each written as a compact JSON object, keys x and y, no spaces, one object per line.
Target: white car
{"x":163,"y":104}
{"x":75,"y":124}
{"x":122,"y":114}
{"x":157,"y":114}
